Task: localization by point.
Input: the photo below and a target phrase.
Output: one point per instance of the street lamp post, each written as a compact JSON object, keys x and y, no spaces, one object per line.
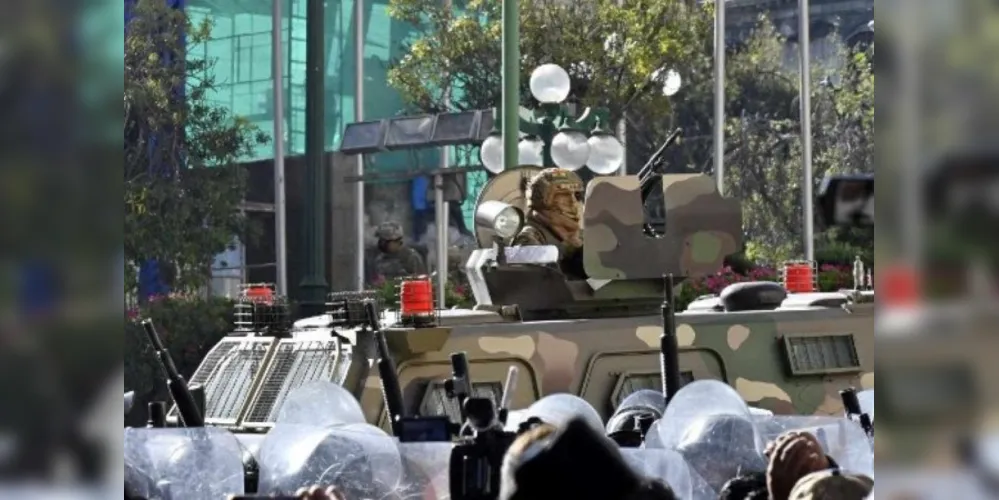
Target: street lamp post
{"x":553,"y":137}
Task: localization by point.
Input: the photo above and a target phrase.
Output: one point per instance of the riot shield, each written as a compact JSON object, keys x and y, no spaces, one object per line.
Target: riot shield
{"x":426,"y":468}
{"x":129,"y":399}
{"x":559,"y":409}
{"x":181,"y":464}
{"x":713,"y":428}
{"x":645,"y":399}
{"x":321,"y":404}
{"x":867,"y":402}
{"x":842,"y":439}
{"x":361,"y":460}
{"x":667,"y":466}
{"x":654,"y":440}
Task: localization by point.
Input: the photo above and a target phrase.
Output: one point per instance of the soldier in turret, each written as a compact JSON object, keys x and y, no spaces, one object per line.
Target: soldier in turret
{"x":396,"y":259}
{"x":554,"y":217}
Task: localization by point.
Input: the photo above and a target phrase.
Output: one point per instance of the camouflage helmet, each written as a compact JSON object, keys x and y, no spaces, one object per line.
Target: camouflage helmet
{"x":389,"y":231}
{"x":548,"y":182}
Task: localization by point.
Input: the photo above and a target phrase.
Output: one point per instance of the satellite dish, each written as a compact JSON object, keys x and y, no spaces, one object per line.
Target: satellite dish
{"x":510,"y":187}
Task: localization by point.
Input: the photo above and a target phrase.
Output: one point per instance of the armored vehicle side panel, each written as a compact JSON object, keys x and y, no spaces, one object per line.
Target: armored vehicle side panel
{"x":786,"y":361}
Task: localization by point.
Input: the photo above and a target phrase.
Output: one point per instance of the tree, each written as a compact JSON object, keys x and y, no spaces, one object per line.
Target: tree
{"x":617,"y":55}
{"x":183,"y":185}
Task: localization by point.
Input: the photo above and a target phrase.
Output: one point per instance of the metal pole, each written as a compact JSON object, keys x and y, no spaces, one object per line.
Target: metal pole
{"x":622,"y":135}
{"x":441,"y":215}
{"x":622,"y":126}
{"x":280,"y":203}
{"x":442,"y":233}
{"x":807,"y":198}
{"x":314,"y":284}
{"x":719,"y":132}
{"x":359,"y":40}
{"x":511,"y":83}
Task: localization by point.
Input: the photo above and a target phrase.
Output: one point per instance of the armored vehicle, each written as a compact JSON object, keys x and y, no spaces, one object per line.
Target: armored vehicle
{"x":788,"y":349}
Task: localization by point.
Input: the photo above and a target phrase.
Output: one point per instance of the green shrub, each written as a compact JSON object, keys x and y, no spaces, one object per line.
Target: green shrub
{"x":189,"y":327}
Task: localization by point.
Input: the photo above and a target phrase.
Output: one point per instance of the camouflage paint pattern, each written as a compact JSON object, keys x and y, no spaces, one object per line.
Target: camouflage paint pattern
{"x":702,"y":229}
{"x":590,"y":358}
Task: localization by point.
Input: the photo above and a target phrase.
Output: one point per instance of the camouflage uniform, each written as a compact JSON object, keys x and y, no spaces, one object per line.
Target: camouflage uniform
{"x":554,"y":215}
{"x":404,"y":261}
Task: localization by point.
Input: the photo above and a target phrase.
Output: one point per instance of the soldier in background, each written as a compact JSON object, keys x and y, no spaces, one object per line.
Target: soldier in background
{"x":396,"y":259}
{"x":554,"y":217}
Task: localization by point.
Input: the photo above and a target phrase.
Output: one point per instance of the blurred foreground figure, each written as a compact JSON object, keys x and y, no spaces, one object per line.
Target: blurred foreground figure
{"x":793,"y":456}
{"x":833,"y":485}
{"x":576,"y":463}
{"x":554,"y":215}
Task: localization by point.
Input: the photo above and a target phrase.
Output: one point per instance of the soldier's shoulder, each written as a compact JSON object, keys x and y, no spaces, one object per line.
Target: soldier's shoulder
{"x":530,"y":234}
{"x":410,"y":254}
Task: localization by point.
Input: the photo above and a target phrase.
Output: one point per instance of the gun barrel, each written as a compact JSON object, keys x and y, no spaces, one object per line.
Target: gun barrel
{"x":187,"y":408}
{"x":391,"y":388}
{"x":851,"y":403}
{"x":655,"y":161}
{"x":668,"y":345}
{"x":154,"y":338}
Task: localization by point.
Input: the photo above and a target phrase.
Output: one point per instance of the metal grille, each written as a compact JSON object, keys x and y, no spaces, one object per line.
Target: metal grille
{"x":227,"y":374}
{"x":437,"y":404}
{"x":295,"y":363}
{"x":634,"y":382}
{"x":822,"y":355}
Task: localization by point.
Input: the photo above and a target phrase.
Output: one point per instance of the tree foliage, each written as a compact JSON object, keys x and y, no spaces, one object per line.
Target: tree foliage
{"x":183,"y":185}
{"x":618,"y":56}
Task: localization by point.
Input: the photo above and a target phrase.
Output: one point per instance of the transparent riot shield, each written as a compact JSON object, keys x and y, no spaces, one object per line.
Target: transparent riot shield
{"x":359,"y":459}
{"x":713,"y":428}
{"x":842,"y":439}
{"x":560,"y":409}
{"x":183,"y":464}
{"x":425,"y":471}
{"x":321,"y":438}
{"x":654,"y":440}
{"x":645,"y":399}
{"x":667,"y":466}
{"x":320,"y":404}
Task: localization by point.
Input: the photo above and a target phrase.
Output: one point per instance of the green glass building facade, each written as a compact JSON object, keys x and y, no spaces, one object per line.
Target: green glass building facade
{"x":241,"y":49}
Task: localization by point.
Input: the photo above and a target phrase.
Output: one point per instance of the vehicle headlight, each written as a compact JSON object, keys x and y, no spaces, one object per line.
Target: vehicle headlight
{"x":501,"y":217}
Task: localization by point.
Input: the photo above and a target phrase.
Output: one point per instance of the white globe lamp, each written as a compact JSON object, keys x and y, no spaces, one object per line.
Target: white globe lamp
{"x":530,"y":151}
{"x":491,"y":153}
{"x":672,"y":83}
{"x":606,"y":153}
{"x":570,"y":150}
{"x":550,"y":84}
